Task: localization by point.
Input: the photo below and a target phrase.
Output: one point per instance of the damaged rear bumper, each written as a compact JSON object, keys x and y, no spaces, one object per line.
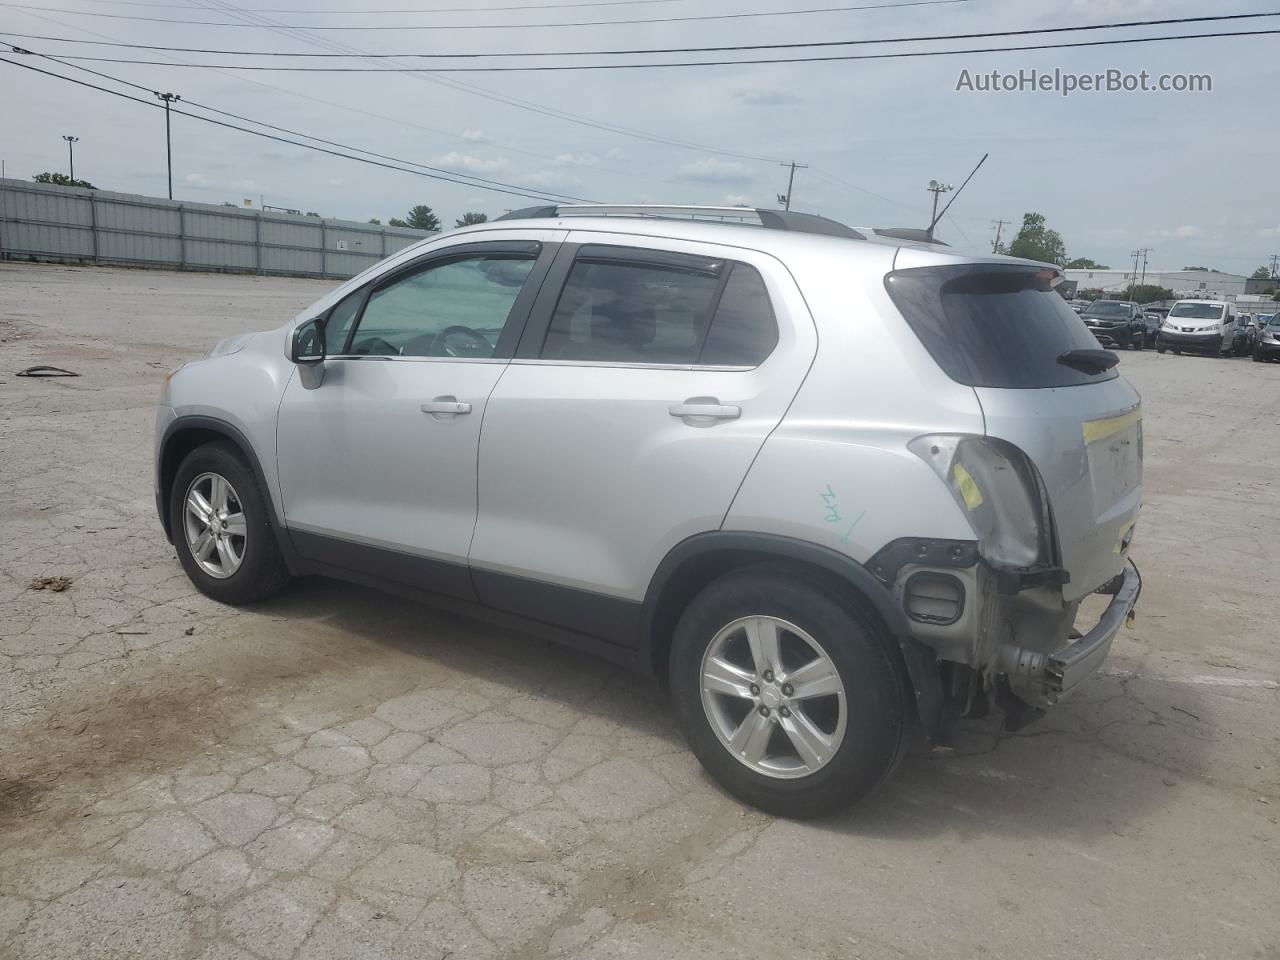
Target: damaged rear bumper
{"x":1042,"y":679}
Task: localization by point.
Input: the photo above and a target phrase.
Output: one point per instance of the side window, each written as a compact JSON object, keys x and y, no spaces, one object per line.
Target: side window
{"x":625,"y":311}
{"x":457,"y":308}
{"x":744,"y":331}
{"x":338,"y":325}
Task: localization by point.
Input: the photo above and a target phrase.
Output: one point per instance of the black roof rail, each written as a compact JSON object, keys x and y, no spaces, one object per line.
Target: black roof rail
{"x":770,"y":219}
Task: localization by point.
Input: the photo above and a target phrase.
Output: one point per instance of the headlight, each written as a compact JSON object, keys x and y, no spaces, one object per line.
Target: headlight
{"x":998,"y":489}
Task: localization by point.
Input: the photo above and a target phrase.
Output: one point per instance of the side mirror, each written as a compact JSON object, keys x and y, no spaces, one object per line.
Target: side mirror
{"x":307,"y":348}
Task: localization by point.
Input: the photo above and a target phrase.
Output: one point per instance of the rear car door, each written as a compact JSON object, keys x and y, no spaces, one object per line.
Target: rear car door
{"x":377,"y":456}
{"x":646,"y":382}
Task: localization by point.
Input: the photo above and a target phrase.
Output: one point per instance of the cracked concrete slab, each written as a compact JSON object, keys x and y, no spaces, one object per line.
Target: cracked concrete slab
{"x":343,"y":774}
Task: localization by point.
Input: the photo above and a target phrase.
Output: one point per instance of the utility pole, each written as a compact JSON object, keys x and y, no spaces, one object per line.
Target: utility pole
{"x":71,"y":154}
{"x":936,"y":188}
{"x":1275,"y":260}
{"x":1145,"y":251}
{"x":168,"y":98}
{"x":785,"y":198}
{"x":995,"y":247}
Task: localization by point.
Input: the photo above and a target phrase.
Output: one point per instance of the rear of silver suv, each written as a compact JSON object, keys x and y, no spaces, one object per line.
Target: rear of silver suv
{"x":824,"y":484}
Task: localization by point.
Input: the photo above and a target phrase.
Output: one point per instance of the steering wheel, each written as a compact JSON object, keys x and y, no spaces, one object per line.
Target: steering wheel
{"x":475,"y":344}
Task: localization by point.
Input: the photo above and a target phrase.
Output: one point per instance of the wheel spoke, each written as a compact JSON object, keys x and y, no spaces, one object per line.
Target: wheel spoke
{"x":218,"y":493}
{"x":811,"y":743}
{"x":199,"y":507}
{"x":227,"y":555}
{"x":762,"y":638}
{"x":817,"y":678}
{"x":751,"y":738}
{"x":203,"y":545}
{"x":236,"y":525}
{"x":720,"y":676}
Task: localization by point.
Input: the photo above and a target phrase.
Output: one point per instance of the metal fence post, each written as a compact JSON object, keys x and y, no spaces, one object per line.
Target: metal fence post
{"x":257,"y":242}
{"x":93,"y":225}
{"x":383,"y":250}
{"x":182,"y":238}
{"x":324,"y":250}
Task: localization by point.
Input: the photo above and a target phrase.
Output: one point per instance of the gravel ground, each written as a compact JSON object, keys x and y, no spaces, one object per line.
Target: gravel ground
{"x":343,"y":774}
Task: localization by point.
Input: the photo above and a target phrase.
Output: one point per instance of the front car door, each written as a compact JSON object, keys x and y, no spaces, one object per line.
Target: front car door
{"x":377,"y":454}
{"x":645,"y":384}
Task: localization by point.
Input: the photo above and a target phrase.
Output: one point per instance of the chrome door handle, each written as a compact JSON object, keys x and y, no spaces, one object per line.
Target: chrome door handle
{"x":447,"y":406}
{"x":705,"y":408}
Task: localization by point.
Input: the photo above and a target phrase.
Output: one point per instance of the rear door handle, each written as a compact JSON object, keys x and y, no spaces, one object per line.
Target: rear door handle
{"x":704,"y":409}
{"x":446,"y":406}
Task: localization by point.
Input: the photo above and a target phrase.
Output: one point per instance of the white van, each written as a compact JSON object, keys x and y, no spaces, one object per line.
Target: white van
{"x":1208,"y":326}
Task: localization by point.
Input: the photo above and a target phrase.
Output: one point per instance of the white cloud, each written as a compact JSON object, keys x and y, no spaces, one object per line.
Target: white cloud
{"x":547,"y":179}
{"x":1269,"y":232}
{"x":715,"y":170}
{"x":577,"y":160}
{"x":465,"y":161}
{"x":475,"y":135}
{"x":1186,"y":231}
{"x":737,"y":200}
{"x":616,"y":153}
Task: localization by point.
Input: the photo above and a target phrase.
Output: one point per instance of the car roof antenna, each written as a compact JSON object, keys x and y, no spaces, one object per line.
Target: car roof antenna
{"x":943,"y":213}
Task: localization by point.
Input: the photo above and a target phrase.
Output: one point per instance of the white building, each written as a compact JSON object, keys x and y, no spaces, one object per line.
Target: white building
{"x":1210,"y":284}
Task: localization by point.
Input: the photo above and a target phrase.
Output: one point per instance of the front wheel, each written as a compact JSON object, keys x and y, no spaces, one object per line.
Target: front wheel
{"x":788,"y":696}
{"x":222,"y":528}
{"x":1160,"y":347}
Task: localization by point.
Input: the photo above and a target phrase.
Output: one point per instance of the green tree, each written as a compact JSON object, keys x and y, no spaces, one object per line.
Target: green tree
{"x":469,"y":218}
{"x":1147,"y":293}
{"x":1262,"y":273}
{"x":375,"y":221}
{"x":1204,"y":269}
{"x":312,"y":213}
{"x":1084,"y":263}
{"x":1035,"y":241}
{"x":62,"y":180}
{"x":420,"y":217}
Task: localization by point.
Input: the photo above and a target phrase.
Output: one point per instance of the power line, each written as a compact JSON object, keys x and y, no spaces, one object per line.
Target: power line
{"x":514,"y":7}
{"x":297,"y":133}
{"x":504,"y":26}
{"x":701,"y":63}
{"x":862,"y":41}
{"x":453,"y":83}
{"x":511,"y":189}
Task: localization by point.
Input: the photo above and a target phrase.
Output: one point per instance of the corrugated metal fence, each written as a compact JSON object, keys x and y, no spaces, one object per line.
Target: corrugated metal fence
{"x":41,"y":221}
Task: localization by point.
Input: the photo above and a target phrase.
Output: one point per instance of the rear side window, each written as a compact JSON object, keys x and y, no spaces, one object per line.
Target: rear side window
{"x":744,"y":330}
{"x":620,"y":307}
{"x":994,"y":325}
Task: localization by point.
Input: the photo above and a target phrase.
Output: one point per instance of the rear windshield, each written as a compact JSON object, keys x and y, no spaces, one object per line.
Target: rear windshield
{"x":1108,"y":308}
{"x":1197,"y":311}
{"x":993,"y":325}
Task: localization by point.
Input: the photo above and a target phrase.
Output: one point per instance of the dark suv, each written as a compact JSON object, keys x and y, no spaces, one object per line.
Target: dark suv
{"x":1116,"y":323}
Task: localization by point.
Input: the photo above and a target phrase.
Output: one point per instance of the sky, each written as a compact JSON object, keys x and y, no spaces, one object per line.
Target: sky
{"x":1191,"y":175}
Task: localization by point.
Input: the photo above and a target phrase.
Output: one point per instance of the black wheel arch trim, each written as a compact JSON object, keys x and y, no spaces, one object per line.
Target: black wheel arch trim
{"x":922,"y":666}
{"x":234,"y":434}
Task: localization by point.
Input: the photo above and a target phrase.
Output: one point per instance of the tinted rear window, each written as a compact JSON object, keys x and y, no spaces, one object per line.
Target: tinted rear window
{"x":994,"y":325}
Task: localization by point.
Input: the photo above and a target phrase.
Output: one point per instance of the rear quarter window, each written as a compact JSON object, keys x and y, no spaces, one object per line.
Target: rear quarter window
{"x":994,"y":325}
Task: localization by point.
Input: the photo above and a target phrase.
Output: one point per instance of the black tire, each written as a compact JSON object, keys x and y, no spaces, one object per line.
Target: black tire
{"x":1177,"y":352}
{"x":1257,"y":355}
{"x":877,"y":728}
{"x":262,"y":572}
{"x":1160,"y":347}
{"x":1137,"y":343}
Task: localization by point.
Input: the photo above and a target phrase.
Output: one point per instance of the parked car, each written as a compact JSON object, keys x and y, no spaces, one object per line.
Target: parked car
{"x":1246,"y":335}
{"x":1205,"y":326}
{"x":827,"y":485}
{"x":1116,"y":323}
{"x":1153,"y":320}
{"x":1268,"y":345}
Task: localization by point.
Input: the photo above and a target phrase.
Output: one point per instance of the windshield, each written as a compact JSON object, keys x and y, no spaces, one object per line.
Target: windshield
{"x":1197,"y":311}
{"x":1108,"y":308}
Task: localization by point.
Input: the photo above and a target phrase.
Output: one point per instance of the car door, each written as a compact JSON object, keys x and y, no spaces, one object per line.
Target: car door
{"x":377,"y":453}
{"x":645,"y":383}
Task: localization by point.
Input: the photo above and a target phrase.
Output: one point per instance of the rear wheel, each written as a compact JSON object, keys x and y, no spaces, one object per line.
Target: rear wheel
{"x":1177,"y":352}
{"x":1160,"y":347}
{"x":222,"y":527}
{"x":791,"y":699}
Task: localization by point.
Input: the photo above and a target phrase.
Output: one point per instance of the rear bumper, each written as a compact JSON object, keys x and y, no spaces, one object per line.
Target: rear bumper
{"x":1044,"y":678}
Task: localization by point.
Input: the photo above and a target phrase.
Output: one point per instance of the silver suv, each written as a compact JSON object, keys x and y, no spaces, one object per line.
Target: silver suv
{"x":828,"y":484}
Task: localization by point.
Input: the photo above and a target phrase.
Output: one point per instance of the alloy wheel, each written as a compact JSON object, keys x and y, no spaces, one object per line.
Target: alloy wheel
{"x":215,"y":526}
{"x":773,"y":696}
